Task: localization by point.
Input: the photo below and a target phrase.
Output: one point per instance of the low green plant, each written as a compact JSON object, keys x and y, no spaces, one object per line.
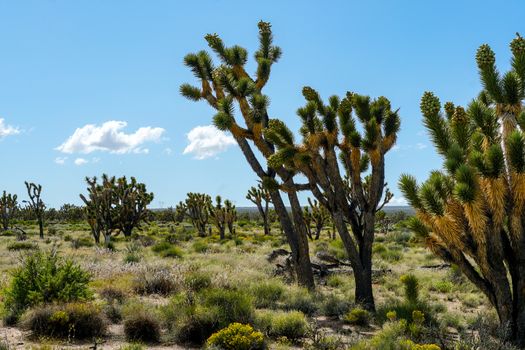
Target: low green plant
{"x":267,"y":293}
{"x":66,"y":321}
{"x":45,"y":278}
{"x":291,"y":324}
{"x":23,"y":245}
{"x":237,"y":336}
{"x":300,"y":299}
{"x":197,"y":280}
{"x":142,"y":326}
{"x":358,"y":317}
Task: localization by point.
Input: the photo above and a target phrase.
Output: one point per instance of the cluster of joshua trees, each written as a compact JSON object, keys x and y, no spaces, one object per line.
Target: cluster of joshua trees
{"x":470,"y":214}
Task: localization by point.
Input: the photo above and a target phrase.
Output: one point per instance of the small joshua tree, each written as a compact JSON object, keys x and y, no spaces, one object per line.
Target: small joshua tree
{"x":471,"y":213}
{"x":262,"y":199}
{"x":218,"y":216}
{"x":317,"y":216}
{"x":231,"y":216}
{"x":36,"y":205}
{"x":196,"y":208}
{"x":8,"y":208}
{"x":133,"y":199}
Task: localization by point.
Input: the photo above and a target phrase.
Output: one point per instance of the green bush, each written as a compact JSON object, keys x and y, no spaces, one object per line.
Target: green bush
{"x":266,"y":293}
{"x":291,"y":324}
{"x":132,"y":347}
{"x":443,"y":286}
{"x":300,"y":299}
{"x":66,"y":321}
{"x":231,"y":305}
{"x":335,"y":305}
{"x":142,"y":326}
{"x":133,"y":253}
{"x":237,"y":336}
{"x":172,"y":252}
{"x":154,"y":281}
{"x":45,"y":278}
{"x":17,"y":246}
{"x":358,"y":317}
{"x":197,"y":280}
{"x":200,"y":246}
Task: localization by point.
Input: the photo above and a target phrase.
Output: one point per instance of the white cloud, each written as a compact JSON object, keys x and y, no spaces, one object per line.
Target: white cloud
{"x":60,"y":160}
{"x":7,"y":130}
{"x":109,"y":137}
{"x":207,"y":141}
{"x":421,"y":145}
{"x":398,"y":201}
{"x":81,"y":161}
{"x":168,"y":151}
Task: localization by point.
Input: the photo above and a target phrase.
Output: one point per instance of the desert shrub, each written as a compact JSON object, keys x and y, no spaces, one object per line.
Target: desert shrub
{"x":24,"y":245}
{"x":335,"y":281}
{"x":399,"y":237}
{"x":142,"y":326}
{"x":299,"y":299}
{"x":231,"y":305}
{"x":443,"y":286}
{"x":266,"y":293}
{"x":237,"y":336}
{"x":132,"y":252}
{"x":133,"y":346}
{"x":45,"y":278}
{"x":110,"y":293}
{"x":77,"y":243}
{"x":161,"y":246}
{"x":358,"y":317}
{"x":335,"y":305}
{"x":200,"y":246}
{"x":4,"y":345}
{"x":66,"y":321}
{"x":197,"y":280}
{"x":484,"y":333}
{"x":291,"y":324}
{"x":172,"y":252}
{"x":153,"y":280}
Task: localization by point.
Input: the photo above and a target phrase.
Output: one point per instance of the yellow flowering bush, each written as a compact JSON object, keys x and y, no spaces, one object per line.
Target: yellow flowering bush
{"x":237,"y":336}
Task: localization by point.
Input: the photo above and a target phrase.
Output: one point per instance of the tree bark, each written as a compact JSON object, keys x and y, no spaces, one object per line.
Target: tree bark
{"x":41,"y":227}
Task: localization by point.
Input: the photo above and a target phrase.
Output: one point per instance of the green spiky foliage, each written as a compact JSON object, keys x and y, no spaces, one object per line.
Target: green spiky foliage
{"x":345,"y":167}
{"x":218,"y":215}
{"x":196,"y":208}
{"x":133,"y":200}
{"x":230,"y":91}
{"x":471,"y":213}
{"x":36,"y":205}
{"x":262,"y":199}
{"x":70,"y":213}
{"x":8,"y":208}
{"x":317,"y":217}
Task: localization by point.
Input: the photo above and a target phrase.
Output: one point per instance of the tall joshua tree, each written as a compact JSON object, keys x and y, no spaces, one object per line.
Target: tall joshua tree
{"x":36,"y":205}
{"x":262,"y":199}
{"x":196,"y":208}
{"x":133,"y":199}
{"x":345,"y":168}
{"x":228,"y":85}
{"x":315,"y":215}
{"x":8,"y":208}
{"x":471,"y":213}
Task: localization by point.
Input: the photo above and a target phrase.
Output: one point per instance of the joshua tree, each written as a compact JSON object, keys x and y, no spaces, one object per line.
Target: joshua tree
{"x":262,"y":199}
{"x":36,"y":205}
{"x":100,"y":210}
{"x":196,"y":208}
{"x":231,"y":216}
{"x":8,"y":208}
{"x":133,"y":199}
{"x":229,"y":84}
{"x":384,"y":221}
{"x":315,"y":215}
{"x":345,"y":168}
{"x":218,"y":216}
{"x":472,"y":212}
{"x":70,"y":212}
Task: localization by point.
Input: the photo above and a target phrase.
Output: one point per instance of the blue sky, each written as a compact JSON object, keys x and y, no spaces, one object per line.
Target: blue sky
{"x":68,"y":64}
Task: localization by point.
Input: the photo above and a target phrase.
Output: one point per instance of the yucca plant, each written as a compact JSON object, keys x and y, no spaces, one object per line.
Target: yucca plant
{"x":229,"y":85}
{"x":471,"y":213}
{"x":317,"y":216}
{"x":36,"y":204}
{"x":196,"y":207}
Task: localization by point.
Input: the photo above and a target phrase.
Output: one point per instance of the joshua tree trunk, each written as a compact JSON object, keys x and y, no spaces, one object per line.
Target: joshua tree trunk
{"x":41,"y":227}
